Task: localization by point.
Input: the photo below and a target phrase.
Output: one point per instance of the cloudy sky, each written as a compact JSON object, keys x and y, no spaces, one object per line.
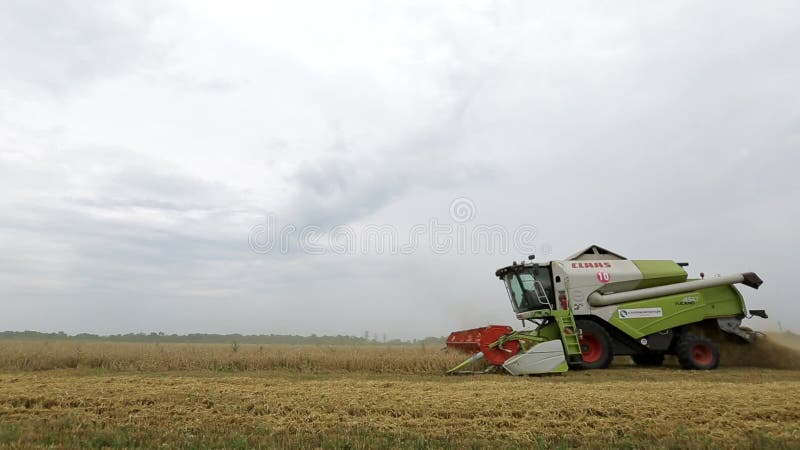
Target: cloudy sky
{"x":191,"y":166}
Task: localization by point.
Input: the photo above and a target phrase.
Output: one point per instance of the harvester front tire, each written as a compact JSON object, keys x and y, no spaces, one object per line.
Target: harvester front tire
{"x":697,"y":352}
{"x":649,"y":359}
{"x":595,"y":346}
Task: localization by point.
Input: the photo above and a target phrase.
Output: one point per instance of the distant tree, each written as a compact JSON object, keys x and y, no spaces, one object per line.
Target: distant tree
{"x":368,"y":339}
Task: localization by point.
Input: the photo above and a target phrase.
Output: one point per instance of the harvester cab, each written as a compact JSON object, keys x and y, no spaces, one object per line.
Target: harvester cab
{"x":529,"y":286}
{"x":596,"y":304}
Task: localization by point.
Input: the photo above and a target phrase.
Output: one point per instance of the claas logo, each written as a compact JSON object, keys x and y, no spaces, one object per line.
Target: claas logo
{"x":590,"y":265}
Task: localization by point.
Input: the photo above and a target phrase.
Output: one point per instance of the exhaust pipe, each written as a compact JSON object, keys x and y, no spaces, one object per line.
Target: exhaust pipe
{"x":748,"y":279}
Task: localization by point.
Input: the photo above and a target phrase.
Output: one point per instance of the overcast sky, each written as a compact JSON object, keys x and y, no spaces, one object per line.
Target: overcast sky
{"x":150,"y":152}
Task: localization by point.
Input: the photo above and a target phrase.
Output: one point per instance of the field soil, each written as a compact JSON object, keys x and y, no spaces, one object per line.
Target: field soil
{"x":398,"y":401}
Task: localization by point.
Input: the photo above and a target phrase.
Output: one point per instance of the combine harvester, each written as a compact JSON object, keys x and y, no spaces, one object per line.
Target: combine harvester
{"x":597,"y":304}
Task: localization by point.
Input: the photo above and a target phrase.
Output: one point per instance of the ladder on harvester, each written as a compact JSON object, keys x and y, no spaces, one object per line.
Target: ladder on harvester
{"x":569,"y":332}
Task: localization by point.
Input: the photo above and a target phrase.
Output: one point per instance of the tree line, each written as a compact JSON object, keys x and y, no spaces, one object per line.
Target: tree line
{"x":210,"y":338}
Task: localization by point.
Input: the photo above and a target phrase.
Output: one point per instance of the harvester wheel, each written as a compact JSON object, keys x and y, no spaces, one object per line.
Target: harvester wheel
{"x":697,"y":352}
{"x":595,"y":346}
{"x":649,"y":359}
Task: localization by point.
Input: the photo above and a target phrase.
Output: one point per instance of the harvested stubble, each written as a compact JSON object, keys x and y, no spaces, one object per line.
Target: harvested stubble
{"x":43,"y":355}
{"x":624,"y":407}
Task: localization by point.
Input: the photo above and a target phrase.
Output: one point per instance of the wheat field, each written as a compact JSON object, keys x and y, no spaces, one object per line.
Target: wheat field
{"x":79,"y":395}
{"x":42,"y":355}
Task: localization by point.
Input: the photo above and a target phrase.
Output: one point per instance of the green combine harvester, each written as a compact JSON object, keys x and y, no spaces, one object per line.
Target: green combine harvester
{"x":597,"y":304}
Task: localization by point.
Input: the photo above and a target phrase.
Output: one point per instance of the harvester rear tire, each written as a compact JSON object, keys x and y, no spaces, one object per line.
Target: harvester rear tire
{"x":595,"y":345}
{"x":649,"y":359}
{"x":697,"y":352}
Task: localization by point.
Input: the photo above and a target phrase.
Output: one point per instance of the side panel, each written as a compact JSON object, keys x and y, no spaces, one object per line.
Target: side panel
{"x":581,"y":278}
{"x":659,"y":273}
{"x":644,"y":317}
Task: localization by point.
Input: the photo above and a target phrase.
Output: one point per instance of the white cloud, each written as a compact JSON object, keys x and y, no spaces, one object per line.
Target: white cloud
{"x":140,"y":142}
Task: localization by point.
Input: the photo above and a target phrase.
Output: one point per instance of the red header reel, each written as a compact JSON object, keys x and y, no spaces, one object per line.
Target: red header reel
{"x":479,"y":340}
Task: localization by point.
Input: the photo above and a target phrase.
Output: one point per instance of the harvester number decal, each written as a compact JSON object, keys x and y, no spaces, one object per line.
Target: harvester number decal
{"x":603,"y":276}
{"x":687,"y":301}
